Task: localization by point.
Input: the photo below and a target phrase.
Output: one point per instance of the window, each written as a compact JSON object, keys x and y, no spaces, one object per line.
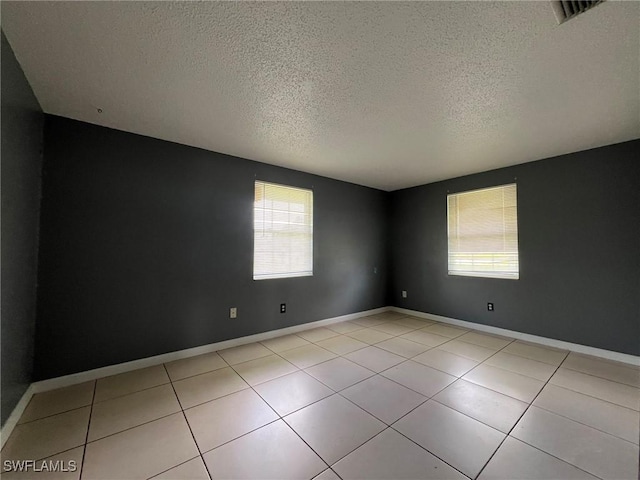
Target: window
{"x":483,"y":232}
{"x":282,"y":231}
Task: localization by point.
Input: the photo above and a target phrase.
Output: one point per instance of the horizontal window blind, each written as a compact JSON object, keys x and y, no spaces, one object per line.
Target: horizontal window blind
{"x":483,"y":232}
{"x":283,"y":231}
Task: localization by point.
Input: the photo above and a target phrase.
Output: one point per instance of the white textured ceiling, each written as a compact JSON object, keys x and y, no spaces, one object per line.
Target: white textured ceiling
{"x":384,"y":94}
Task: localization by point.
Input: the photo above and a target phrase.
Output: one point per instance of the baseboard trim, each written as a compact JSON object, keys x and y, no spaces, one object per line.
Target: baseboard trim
{"x":549,"y":342}
{"x":16,"y":413}
{"x":75,"y":378}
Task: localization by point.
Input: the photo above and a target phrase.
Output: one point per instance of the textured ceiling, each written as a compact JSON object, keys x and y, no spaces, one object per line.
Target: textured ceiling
{"x":384,"y":94}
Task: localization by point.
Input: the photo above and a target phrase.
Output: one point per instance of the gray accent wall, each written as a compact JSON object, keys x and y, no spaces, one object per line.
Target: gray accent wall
{"x":579,"y":245}
{"x":21,"y":151}
{"x":146,"y":244}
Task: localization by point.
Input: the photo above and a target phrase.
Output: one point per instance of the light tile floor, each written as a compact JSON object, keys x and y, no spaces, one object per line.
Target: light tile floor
{"x":386,"y":396}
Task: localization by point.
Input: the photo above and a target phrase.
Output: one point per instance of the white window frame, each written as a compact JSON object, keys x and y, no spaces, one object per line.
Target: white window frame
{"x":509,"y":258}
{"x":265,"y":275}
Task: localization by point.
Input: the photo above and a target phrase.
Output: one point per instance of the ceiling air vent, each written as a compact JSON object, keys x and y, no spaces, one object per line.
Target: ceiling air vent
{"x":567,"y":9}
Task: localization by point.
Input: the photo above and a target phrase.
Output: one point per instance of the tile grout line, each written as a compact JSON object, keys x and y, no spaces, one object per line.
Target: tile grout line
{"x":387,"y":426}
{"x":446,"y":373}
{"x":586,"y":425}
{"x":518,"y":421}
{"x":432,"y":398}
{"x":429,"y":452}
{"x":280,"y":417}
{"x":405,"y":359}
{"x":600,"y":378}
{"x":299,"y":369}
{"x":86,"y":438}
{"x":336,"y":392}
{"x":184,"y":415}
{"x":460,"y":378}
{"x":175,"y":466}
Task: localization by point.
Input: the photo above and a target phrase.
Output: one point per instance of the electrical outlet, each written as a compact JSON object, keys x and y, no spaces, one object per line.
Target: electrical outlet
{"x":404,"y":294}
{"x":375,"y":269}
{"x":490,"y":306}
{"x":283,"y":308}
{"x":233,"y":312}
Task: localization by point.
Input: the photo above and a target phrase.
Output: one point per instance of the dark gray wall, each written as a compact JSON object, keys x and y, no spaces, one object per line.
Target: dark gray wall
{"x":21,"y":152}
{"x":146,"y":244}
{"x":579,"y":244}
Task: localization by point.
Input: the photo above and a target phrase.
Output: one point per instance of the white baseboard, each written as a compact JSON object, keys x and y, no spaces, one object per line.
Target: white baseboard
{"x":549,"y":342}
{"x":75,"y":378}
{"x":17,"y":412}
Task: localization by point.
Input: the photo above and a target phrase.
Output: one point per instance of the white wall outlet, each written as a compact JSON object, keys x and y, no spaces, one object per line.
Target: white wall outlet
{"x":404,"y":294}
{"x":233,"y":312}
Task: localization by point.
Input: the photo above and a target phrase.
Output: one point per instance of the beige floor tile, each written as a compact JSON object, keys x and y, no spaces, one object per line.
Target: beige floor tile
{"x":68,"y":466}
{"x":468,"y":350}
{"x":384,"y":399}
{"x":445,"y":330}
{"x":121,"y":413}
{"x":372,"y":320}
{"x":339,"y":373}
{"x":445,"y":361}
{"x":244,"y":353}
{"x":375,"y":359}
{"x":548,"y":355}
{"x":602,"y":455}
{"x":191,"y":470}
{"x":403,"y":347}
{"x":188,"y":367}
{"x":419,"y":378}
{"x":46,"y":437}
{"x":515,"y":460}
{"x":287,"y":342}
{"x":494,"y":342}
{"x":415,"y":323}
{"x":208,"y":386}
{"x":390,"y":315}
{"x":393,"y":328}
{"x":58,"y":401}
{"x":273,"y":452}
{"x":220,"y":421}
{"x":370,"y":336}
{"x":491,"y":408}
{"x":342,"y":345}
{"x":307,"y":355}
{"x":334,"y":427}
{"x":264,"y":369}
{"x":389,"y":455}
{"x":140,"y":452}
{"x":425,"y":338}
{"x":462,"y":442}
{"x":523,"y":366}
{"x":608,"y":369}
{"x":607,"y":417}
{"x":345,"y":327}
{"x":292,"y":392}
{"x":317,"y":334}
{"x":513,"y":384}
{"x":613,"y":392}
{"x":130,"y":382}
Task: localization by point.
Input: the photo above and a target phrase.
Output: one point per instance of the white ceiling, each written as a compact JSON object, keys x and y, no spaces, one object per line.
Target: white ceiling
{"x":383,"y":94}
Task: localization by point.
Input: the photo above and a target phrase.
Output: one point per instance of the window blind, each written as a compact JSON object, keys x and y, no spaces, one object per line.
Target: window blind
{"x":483,"y":232}
{"x":283,"y":231}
